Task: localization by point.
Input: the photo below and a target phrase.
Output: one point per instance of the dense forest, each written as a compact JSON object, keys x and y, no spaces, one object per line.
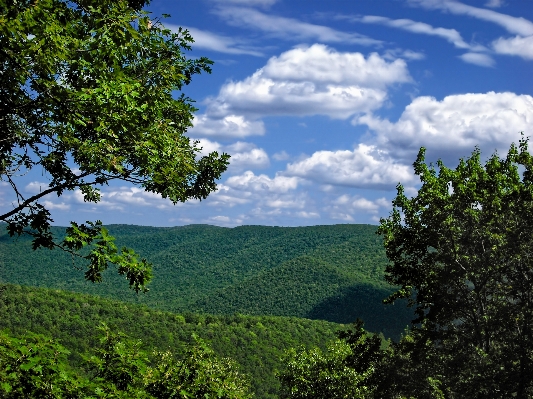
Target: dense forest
{"x":332,"y":273}
{"x":256,"y":343}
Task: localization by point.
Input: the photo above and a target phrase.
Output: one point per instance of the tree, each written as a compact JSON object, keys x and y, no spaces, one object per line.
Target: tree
{"x":345,"y":370}
{"x":87,"y":97}
{"x":461,"y":252}
{"x":37,"y":367}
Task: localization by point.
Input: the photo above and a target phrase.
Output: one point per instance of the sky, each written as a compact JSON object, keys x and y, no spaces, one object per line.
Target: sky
{"x":323,"y":105}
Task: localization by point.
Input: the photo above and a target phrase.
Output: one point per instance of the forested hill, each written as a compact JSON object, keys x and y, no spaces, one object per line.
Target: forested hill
{"x":256,"y":343}
{"x":333,"y":273}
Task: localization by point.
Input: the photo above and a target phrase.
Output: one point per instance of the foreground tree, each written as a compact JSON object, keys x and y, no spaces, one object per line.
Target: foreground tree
{"x":87,"y":97}
{"x":36,"y":367}
{"x":346,"y":370}
{"x":461,"y":252}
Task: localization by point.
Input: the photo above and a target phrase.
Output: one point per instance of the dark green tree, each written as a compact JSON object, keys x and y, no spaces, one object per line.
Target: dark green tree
{"x":460,"y":252}
{"x":87,"y":96}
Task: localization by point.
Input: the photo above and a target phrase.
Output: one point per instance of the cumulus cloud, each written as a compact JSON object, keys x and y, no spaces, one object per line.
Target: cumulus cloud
{"x":315,"y":80}
{"x":222,"y":44}
{"x":364,"y":167}
{"x":123,"y":198}
{"x":323,"y":65}
{"x":289,"y":28}
{"x":478,"y":59}
{"x":216,"y":125}
{"x":243,"y":155}
{"x":348,"y":208}
{"x":277,"y":196}
{"x":262,"y":184}
{"x":455,"y":125}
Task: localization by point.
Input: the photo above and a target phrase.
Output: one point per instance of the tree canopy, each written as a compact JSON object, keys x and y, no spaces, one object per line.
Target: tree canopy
{"x":88,"y":96}
{"x":460,"y":251}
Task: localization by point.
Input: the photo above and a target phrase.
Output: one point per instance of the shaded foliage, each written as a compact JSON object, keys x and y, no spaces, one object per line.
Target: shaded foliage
{"x":461,"y":255}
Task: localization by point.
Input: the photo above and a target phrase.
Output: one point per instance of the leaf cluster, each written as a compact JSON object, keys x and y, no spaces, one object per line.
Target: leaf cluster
{"x":87,"y":97}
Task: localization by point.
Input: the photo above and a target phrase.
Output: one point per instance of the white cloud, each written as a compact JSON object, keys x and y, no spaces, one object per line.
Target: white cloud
{"x":494,"y":3}
{"x":259,"y":95}
{"x":225,"y":126}
{"x":270,"y":197}
{"x":393,"y":54}
{"x":450,"y":35}
{"x":351,"y":208}
{"x":478,"y":59}
{"x":323,"y":65}
{"x":222,"y":44}
{"x":364,"y":167}
{"x":281,"y":156}
{"x":243,"y":155}
{"x":52,"y":205}
{"x":35,"y":187}
{"x":289,"y":28}
{"x":262,"y":184}
{"x":308,"y":215}
{"x":454,"y":126}
{"x":516,"y":25}
{"x":315,"y":80}
{"x":520,"y":46}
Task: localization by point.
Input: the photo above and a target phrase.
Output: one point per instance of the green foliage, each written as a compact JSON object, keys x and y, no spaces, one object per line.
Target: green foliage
{"x":461,"y":254}
{"x":333,"y":273}
{"x":87,"y":98}
{"x":314,"y":374}
{"x":34,"y":367}
{"x":198,"y":374}
{"x":345,"y":370}
{"x":255,"y":343}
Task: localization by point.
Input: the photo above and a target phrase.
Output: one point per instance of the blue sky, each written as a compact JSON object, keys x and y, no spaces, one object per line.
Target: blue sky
{"x":323,"y":105}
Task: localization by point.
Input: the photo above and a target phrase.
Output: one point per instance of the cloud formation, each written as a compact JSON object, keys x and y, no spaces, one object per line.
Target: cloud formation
{"x":516,"y":25}
{"x":289,"y":28}
{"x":315,"y":80}
{"x":480,"y":59}
{"x":364,"y":167}
{"x":455,"y":125}
{"x":244,"y":156}
{"x":450,"y":35}
{"x":219,"y":43}
{"x":521,"y":45}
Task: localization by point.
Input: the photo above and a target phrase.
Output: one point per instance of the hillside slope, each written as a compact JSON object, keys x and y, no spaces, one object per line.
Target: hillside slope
{"x":332,"y":273}
{"x":256,"y":343}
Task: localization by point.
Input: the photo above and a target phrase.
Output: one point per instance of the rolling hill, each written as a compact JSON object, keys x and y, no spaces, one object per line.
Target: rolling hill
{"x":332,"y":273}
